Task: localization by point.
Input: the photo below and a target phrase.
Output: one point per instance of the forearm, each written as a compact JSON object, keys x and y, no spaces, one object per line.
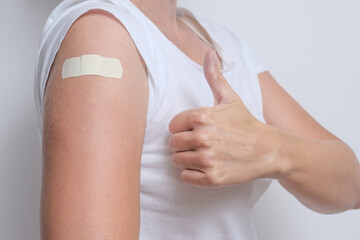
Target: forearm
{"x":323,"y":174}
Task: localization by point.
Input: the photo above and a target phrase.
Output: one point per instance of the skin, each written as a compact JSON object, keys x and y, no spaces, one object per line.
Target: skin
{"x":93,"y":135}
{"x":91,"y":172}
{"x":226,"y":145}
{"x":94,"y":130}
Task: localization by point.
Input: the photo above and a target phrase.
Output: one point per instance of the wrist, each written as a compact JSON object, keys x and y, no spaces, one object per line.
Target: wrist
{"x":279,"y":162}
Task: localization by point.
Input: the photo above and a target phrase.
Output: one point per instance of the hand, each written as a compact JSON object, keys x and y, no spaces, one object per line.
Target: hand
{"x":224,"y":144}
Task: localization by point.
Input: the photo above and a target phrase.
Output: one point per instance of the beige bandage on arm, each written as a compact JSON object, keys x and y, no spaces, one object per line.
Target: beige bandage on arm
{"x":92,"y":64}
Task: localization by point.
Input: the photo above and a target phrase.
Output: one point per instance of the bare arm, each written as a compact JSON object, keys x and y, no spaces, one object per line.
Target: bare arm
{"x":93,"y":136}
{"x":323,"y":172}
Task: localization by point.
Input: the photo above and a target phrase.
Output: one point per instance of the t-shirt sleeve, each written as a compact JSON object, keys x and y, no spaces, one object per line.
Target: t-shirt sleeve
{"x":249,"y":54}
{"x":257,"y":62}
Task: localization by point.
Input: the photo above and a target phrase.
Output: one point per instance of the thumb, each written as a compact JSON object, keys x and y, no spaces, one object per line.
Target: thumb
{"x":222,"y":91}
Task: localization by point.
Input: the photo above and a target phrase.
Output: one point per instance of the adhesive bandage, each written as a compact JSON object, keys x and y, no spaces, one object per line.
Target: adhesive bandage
{"x":92,"y":64}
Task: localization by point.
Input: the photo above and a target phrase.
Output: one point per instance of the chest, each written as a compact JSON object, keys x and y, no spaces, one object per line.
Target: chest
{"x":185,"y":87}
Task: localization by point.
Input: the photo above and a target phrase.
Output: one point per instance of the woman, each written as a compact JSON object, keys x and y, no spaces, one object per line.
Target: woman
{"x":190,"y":136}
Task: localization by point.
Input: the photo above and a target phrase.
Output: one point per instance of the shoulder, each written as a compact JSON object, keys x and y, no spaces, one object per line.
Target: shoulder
{"x":234,"y":43}
{"x":219,"y":29}
{"x":229,"y":40}
{"x":95,"y":32}
{"x":99,"y":32}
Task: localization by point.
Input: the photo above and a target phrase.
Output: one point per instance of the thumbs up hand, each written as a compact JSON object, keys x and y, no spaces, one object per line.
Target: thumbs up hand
{"x":224,"y":144}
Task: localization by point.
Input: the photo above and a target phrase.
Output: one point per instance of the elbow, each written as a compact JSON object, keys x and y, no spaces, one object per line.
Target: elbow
{"x":357,"y":190}
{"x":357,"y":181}
{"x":347,"y":202}
{"x":357,"y":205}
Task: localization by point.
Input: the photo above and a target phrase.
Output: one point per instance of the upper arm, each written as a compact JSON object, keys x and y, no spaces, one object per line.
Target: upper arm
{"x":93,"y":136}
{"x":283,"y":112}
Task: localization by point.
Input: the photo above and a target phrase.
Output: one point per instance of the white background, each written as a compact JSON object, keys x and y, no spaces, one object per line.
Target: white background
{"x":311,"y":47}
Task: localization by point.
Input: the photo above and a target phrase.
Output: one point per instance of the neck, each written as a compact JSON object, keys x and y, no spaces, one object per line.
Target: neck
{"x":161,"y":12}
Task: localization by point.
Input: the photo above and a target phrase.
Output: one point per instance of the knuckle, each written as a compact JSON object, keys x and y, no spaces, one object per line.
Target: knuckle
{"x":201,"y":116}
{"x":200,"y":138}
{"x":205,"y":108}
{"x":206,"y":158}
{"x":212,"y":179}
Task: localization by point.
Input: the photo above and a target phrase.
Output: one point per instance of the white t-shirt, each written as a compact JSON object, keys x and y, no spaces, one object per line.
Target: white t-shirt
{"x":170,"y":208}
